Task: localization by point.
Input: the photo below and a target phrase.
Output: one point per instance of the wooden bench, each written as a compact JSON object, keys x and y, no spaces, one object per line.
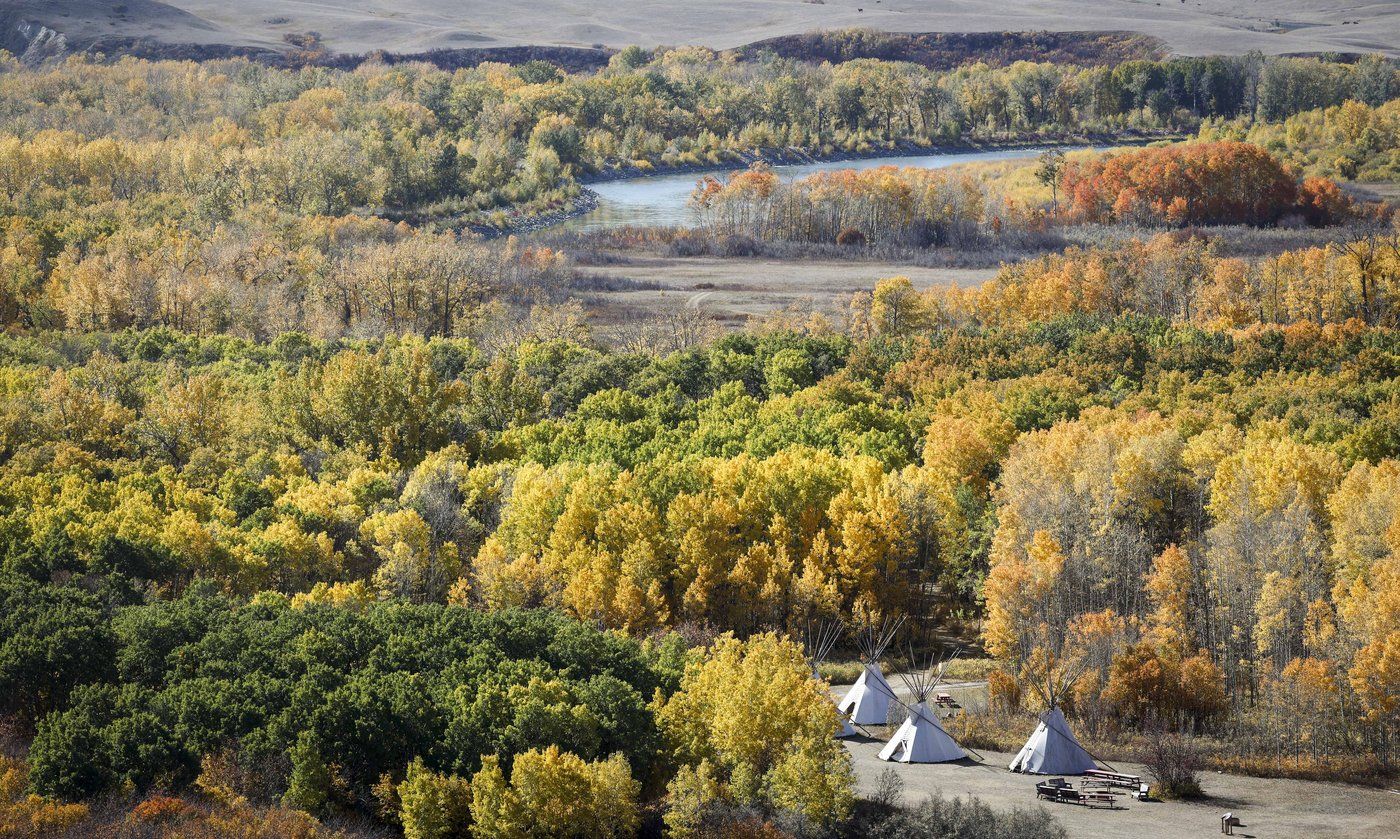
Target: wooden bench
{"x":944,"y":699}
{"x":1048,"y":789}
{"x":1054,"y":793}
{"x":1058,"y":793}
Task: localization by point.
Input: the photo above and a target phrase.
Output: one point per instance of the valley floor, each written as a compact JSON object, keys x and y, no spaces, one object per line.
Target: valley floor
{"x":733,"y":290}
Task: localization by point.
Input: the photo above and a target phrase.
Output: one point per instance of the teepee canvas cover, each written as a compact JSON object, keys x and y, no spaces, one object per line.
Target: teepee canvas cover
{"x":846,"y":729}
{"x":1052,"y":749}
{"x":921,"y":740}
{"x":868,"y":701}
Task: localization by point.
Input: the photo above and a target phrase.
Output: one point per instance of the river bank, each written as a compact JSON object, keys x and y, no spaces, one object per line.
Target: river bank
{"x":603,"y":191}
{"x":585,"y":202}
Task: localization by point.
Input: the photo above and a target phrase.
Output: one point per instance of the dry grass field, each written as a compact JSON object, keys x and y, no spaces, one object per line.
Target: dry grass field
{"x":1194,"y":27}
{"x":732,"y":291}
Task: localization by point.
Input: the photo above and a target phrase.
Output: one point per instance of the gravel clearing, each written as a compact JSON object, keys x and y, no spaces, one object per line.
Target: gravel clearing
{"x":1271,"y":808}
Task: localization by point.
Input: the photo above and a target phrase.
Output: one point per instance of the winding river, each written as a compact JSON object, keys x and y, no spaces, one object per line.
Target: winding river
{"x":662,"y":200}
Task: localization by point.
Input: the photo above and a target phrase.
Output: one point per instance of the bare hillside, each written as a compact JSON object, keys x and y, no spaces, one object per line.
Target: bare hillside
{"x":408,"y":26}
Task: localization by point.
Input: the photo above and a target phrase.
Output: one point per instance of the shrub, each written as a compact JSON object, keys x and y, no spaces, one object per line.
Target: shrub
{"x":1322,"y":202}
{"x":889,"y":789}
{"x":727,"y":822}
{"x":31,"y":815}
{"x":740,"y":246}
{"x":1003,"y":691}
{"x":310,"y":782}
{"x":689,"y":244}
{"x":158,"y":808}
{"x":1172,"y":760}
{"x":840,"y":672}
{"x":850,"y":237}
{"x":554,"y":793}
{"x":969,"y":818}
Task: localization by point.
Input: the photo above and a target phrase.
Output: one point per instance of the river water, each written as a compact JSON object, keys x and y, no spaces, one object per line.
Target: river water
{"x":663,"y":200}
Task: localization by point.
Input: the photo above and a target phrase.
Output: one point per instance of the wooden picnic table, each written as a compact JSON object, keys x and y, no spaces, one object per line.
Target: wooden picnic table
{"x":1057,"y":789}
{"x":1118,"y":779}
{"x":1099,"y":798}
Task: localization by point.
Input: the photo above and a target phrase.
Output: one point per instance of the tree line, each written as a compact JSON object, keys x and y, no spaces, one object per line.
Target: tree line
{"x":1177,"y":185}
{"x":1183,"y":277}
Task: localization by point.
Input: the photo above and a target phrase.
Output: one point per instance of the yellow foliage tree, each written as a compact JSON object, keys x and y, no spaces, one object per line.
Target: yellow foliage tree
{"x":554,"y":793}
{"x":754,"y":712}
{"x":433,"y":805}
{"x":1168,"y":586}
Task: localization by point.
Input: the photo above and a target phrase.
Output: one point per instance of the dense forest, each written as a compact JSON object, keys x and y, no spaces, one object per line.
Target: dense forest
{"x":229,"y":196}
{"x":320,"y":519}
{"x":1205,"y":504}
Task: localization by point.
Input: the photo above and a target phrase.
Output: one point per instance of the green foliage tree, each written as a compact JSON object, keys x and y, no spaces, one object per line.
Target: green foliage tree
{"x":308,"y":786}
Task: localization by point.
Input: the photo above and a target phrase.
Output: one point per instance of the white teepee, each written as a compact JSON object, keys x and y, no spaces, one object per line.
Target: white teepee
{"x":817,"y":644}
{"x":868,"y":700}
{"x":921,"y":739}
{"x":1052,"y":749}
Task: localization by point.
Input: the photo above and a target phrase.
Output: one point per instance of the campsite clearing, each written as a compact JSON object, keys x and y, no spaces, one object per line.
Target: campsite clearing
{"x":1268,"y":807}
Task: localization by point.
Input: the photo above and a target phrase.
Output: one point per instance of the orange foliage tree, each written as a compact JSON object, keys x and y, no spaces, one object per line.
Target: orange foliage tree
{"x":1225,"y":182}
